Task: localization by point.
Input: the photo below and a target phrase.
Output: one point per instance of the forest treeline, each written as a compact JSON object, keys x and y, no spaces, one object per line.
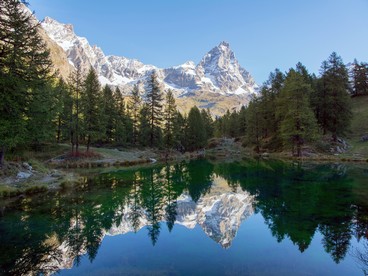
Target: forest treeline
{"x":297,"y":107}
{"x":37,"y":107}
{"x":89,"y":114}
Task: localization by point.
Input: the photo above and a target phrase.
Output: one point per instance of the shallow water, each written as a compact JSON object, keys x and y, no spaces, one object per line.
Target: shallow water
{"x":195,"y":218}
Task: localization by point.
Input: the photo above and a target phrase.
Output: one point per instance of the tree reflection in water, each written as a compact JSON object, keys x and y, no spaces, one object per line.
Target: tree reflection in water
{"x":43,"y":235}
{"x":361,"y":256}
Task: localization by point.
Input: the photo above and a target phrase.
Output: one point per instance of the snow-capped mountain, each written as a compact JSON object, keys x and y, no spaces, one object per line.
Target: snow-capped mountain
{"x":218,"y":72}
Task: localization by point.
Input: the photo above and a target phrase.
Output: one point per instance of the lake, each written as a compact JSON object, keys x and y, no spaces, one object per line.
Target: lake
{"x":250,"y":217}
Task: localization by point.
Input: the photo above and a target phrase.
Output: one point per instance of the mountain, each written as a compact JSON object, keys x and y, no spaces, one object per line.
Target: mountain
{"x":217,"y":81}
{"x":57,"y":54}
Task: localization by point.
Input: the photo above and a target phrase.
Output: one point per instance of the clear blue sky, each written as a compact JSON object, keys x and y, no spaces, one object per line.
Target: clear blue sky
{"x":264,"y":34}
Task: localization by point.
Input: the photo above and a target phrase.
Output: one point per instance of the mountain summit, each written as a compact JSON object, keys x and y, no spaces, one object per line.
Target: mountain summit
{"x":218,"y":73}
{"x":224,"y":71}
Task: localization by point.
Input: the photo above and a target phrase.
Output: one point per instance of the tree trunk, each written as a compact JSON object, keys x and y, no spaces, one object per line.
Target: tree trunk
{"x":334,"y":137}
{"x":2,"y":156}
{"x":58,"y":130}
{"x":72,"y":141}
{"x":77,"y":125}
{"x":88,"y":142}
{"x":298,"y":149}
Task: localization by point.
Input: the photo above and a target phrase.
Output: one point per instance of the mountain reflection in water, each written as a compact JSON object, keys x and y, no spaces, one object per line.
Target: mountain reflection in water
{"x":49,"y":233}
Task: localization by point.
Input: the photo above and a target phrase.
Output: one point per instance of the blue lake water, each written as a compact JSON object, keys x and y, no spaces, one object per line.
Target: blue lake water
{"x":195,"y":218}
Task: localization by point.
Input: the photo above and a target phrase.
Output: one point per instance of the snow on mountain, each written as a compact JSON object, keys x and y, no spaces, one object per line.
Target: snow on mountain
{"x":218,"y":71}
{"x":220,"y":67}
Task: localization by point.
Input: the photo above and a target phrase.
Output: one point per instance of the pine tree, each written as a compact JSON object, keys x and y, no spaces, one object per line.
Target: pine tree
{"x":154,"y":103}
{"x":180,"y":128}
{"x":91,"y":108}
{"x":169,"y":117}
{"x":121,"y":129}
{"x":128,"y":124}
{"x":109,"y":114}
{"x":41,"y":113}
{"x":76,"y":86}
{"x":144,"y":125}
{"x":268,"y":111}
{"x":225,"y":124}
{"x":254,"y":124}
{"x":65,"y":117}
{"x":335,"y":111}
{"x":242,"y":121}
{"x":270,"y":91}
{"x":196,"y":138}
{"x":24,"y":69}
{"x":208,"y":122}
{"x":298,"y":124}
{"x":135,"y":105}
{"x":61,"y":91}
{"x":360,"y":78}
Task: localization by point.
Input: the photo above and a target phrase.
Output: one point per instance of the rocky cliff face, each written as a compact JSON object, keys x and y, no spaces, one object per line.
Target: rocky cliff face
{"x":218,"y":77}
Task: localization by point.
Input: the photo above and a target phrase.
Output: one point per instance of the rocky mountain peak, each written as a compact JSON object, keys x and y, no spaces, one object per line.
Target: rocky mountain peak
{"x":221,"y":67}
{"x":224,"y":44}
{"x":220,"y":57}
{"x":50,"y":21}
{"x":217,"y":73}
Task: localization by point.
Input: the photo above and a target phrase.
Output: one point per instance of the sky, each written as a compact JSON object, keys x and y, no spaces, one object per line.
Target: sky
{"x":264,"y":34}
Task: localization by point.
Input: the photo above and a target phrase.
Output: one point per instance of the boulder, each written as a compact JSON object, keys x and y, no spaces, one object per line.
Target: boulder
{"x":364,"y":138}
{"x":24,"y":175}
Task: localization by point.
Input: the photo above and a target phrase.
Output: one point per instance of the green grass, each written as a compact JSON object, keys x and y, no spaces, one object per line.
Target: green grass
{"x":45,"y":153}
{"x":6,"y":191}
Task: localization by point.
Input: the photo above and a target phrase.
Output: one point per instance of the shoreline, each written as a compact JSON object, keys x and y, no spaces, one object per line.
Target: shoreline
{"x":61,"y":174}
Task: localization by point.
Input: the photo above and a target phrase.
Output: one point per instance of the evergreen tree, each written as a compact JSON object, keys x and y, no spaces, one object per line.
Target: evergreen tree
{"x":121,"y":122}
{"x":276,"y":81}
{"x":64,"y":111}
{"x":154,"y":103}
{"x":334,"y":104}
{"x":135,"y":105}
{"x":24,"y":69}
{"x":91,"y":108}
{"x":225,"y":124}
{"x":144,"y":125}
{"x":254,"y":124}
{"x":359,"y":78}
{"x":208,"y":122}
{"x":302,"y":70}
{"x":196,"y":138}
{"x":234,"y":124}
{"x":41,"y":113}
{"x":298,"y":124}
{"x":270,"y":123}
{"x":110,"y":114}
{"x":76,"y":85}
{"x":179,"y":131}
{"x":169,"y":116}
{"x":242,"y":121}
{"x":268,"y":112}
